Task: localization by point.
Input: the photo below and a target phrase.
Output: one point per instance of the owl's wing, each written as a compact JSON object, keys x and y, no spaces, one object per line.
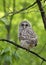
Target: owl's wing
{"x":32,"y":36}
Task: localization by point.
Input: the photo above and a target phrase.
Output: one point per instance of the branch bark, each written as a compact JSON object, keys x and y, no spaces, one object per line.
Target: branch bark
{"x":23,"y":48}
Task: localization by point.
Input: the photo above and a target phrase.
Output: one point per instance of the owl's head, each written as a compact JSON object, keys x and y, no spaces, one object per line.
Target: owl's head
{"x":24,"y":24}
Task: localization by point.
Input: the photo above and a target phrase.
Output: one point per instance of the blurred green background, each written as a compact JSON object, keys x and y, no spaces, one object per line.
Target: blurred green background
{"x":11,"y":55}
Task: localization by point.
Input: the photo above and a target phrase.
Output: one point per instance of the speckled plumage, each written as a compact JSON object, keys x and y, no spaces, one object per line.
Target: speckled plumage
{"x":27,"y":36}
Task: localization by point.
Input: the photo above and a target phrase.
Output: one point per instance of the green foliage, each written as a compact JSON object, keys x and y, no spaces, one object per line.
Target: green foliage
{"x":8,"y":56}
{"x":4,"y":21}
{"x":11,"y":55}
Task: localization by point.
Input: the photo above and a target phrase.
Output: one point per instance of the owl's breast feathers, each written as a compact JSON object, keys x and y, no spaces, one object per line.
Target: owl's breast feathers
{"x":28,"y":34}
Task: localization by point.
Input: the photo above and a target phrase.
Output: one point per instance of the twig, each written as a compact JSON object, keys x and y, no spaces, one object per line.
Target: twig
{"x":24,"y":49}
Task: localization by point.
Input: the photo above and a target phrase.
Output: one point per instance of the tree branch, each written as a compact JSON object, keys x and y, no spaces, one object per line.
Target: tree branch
{"x":10,"y":24}
{"x":23,"y":9}
{"x":4,"y":6}
{"x":23,"y":48}
{"x":42,"y":13}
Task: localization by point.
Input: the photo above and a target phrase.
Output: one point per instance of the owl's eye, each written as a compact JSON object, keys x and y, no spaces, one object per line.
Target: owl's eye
{"x":22,"y":24}
{"x":26,"y":24}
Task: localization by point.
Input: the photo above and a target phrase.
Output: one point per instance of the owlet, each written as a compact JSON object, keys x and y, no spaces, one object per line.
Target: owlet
{"x":26,"y":35}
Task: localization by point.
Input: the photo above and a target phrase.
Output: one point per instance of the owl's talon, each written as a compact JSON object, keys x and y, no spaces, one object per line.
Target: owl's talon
{"x":35,"y":44}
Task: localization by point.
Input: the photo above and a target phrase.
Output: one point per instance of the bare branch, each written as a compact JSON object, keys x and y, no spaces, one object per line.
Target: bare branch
{"x":42,"y":13}
{"x":23,"y":9}
{"x":24,"y":49}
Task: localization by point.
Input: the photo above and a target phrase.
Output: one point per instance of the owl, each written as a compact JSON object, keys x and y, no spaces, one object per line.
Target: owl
{"x":26,"y":35}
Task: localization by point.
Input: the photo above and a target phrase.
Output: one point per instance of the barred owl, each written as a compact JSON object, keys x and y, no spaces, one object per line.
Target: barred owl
{"x":26,"y":35}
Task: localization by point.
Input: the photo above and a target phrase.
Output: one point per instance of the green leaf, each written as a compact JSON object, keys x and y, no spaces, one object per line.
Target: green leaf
{"x":4,"y":21}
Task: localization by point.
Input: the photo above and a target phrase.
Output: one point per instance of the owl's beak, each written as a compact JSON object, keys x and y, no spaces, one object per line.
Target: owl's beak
{"x":24,"y":27}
